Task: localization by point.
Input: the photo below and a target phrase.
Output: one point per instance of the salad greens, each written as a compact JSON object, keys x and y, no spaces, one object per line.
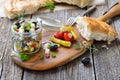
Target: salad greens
{"x":24,"y":57}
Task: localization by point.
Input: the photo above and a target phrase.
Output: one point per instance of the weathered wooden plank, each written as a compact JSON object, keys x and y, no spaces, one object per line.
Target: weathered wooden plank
{"x":107,"y":63}
{"x":71,"y":71}
{"x":3,"y":31}
{"x":9,"y":71}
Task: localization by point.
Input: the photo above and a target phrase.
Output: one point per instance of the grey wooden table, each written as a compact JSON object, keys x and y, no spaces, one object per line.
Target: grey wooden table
{"x":105,"y":64}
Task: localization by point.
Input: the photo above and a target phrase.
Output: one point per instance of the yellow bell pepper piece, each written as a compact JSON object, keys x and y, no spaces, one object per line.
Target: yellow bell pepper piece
{"x":61,"y":42}
{"x":69,"y":28}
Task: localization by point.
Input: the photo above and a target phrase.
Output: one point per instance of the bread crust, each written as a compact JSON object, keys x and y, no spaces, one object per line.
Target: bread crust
{"x":13,"y":7}
{"x":100,"y":26}
{"x":106,"y":32}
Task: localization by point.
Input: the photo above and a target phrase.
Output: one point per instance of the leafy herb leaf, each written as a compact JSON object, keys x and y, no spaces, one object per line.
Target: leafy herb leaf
{"x":53,"y":54}
{"x":20,"y":17}
{"x":50,"y":5}
{"x":92,"y":49}
{"x":78,"y":45}
{"x":49,"y":45}
{"x":41,"y":57}
{"x":27,"y":25}
{"x":24,"y":57}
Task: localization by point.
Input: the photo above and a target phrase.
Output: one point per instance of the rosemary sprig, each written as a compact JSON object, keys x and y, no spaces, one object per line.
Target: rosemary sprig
{"x":19,"y":17}
{"x":93,"y":49}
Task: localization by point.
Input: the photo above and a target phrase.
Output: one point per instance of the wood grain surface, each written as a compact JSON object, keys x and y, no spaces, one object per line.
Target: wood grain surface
{"x":105,"y":64}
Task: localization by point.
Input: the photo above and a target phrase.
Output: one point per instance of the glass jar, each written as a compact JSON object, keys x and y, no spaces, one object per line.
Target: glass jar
{"x":27,"y":42}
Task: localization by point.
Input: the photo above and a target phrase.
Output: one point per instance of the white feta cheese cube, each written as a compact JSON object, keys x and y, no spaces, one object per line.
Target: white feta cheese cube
{"x":32,"y":30}
{"x":47,"y":51}
{"x":33,"y":25}
{"x":21,"y":30}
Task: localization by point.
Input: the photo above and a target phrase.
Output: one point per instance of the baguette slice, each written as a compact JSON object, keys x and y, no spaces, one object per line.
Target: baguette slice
{"x":93,"y":29}
{"x":79,"y":3}
{"x":13,"y":7}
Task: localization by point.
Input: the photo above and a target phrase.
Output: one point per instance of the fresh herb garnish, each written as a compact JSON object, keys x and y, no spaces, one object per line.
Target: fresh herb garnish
{"x":49,"y":45}
{"x":41,"y":57}
{"x":78,"y":45}
{"x":92,"y":49}
{"x":27,"y":26}
{"x":24,"y":57}
{"x":20,"y":17}
{"x":53,"y":54}
{"x":50,"y":5}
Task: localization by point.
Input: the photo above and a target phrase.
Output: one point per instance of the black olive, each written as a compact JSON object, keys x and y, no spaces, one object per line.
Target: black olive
{"x":26,"y":30}
{"x":35,"y":23}
{"x":36,"y":28}
{"x":18,"y":25}
{"x":85,"y":60}
{"x":54,"y":47}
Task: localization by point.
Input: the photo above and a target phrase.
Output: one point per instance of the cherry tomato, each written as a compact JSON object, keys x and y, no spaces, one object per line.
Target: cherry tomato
{"x":68,"y":36}
{"x":58,"y":35}
{"x":17,"y":30}
{"x":47,"y":55}
{"x":33,"y":44}
{"x":27,"y":39}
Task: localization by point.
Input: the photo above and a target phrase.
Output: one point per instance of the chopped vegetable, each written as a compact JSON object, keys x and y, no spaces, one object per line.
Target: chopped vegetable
{"x":53,"y":54}
{"x":24,"y":57}
{"x":27,"y":25}
{"x":49,"y":45}
{"x":16,"y":46}
{"x":17,"y":24}
{"x":30,"y":44}
{"x":27,"y":39}
{"x":74,"y":34}
{"x":58,"y":35}
{"x":33,"y":44}
{"x":26,"y":48}
{"x":50,"y":5}
{"x":17,"y":30}
{"x":41,"y":57}
{"x":47,"y":55}
{"x":69,"y":29}
{"x":68,"y":36}
{"x":61,"y":42}
{"x":15,"y":27}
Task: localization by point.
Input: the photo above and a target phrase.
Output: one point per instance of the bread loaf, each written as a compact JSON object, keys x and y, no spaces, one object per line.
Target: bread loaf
{"x":93,"y":29}
{"x":13,"y":7}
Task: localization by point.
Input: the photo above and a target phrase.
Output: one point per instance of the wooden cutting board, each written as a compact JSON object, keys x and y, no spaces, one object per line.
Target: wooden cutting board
{"x":63,"y":55}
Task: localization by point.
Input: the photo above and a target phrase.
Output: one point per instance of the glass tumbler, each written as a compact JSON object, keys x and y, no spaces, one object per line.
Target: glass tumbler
{"x":28,"y":42}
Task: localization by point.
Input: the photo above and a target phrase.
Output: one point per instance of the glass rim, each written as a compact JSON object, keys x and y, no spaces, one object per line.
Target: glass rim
{"x":28,"y":34}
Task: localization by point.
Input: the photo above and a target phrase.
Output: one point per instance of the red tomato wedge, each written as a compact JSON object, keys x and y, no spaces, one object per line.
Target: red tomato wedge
{"x":58,"y":35}
{"x":68,"y":36}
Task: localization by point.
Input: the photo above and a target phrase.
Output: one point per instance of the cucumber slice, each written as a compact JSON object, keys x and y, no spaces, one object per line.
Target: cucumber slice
{"x":16,"y":46}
